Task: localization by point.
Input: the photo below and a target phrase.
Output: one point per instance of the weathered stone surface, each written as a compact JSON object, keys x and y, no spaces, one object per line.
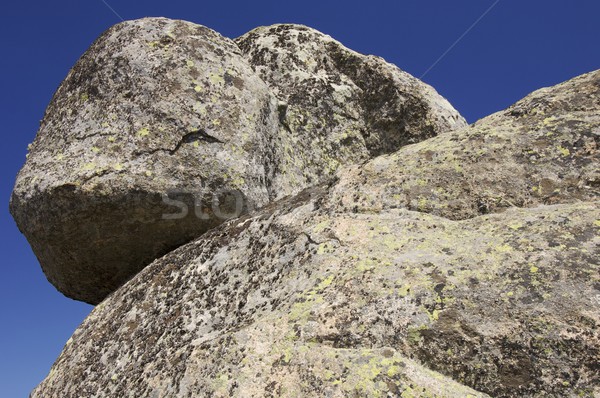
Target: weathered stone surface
{"x":545,"y":149}
{"x":153,"y":106}
{"x":300,"y":303}
{"x":338,"y":106}
{"x":159,"y":108}
{"x":313,"y":297}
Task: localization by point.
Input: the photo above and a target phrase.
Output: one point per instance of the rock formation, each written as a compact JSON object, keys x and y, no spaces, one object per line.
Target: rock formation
{"x":465,"y":264}
{"x":338,"y":106}
{"x":542,"y":150}
{"x":163,"y":130}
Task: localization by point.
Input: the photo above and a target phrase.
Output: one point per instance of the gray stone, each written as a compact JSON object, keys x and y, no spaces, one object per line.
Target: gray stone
{"x":162,"y":116}
{"x":339,"y":106}
{"x":313,"y":297}
{"x":545,"y":149}
{"x":153,"y":108}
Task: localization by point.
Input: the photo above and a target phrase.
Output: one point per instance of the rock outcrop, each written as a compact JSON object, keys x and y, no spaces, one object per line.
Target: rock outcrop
{"x":542,"y":150}
{"x":410,"y":275}
{"x":164,"y":129}
{"x":338,"y":106}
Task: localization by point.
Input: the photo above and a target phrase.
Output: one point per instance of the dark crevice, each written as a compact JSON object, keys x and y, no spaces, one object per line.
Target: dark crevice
{"x":314,"y":242}
{"x":282,"y":112}
{"x":98,"y":174}
{"x":97,"y":134}
{"x":310,"y":239}
{"x":196,"y":135}
{"x":349,"y":117}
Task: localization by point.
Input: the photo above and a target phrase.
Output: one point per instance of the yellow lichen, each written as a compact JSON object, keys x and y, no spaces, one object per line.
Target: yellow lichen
{"x":89,"y":166}
{"x":563,"y":151}
{"x":393,"y":370}
{"x":516,"y":226}
{"x":434,"y":315}
{"x":216,"y":79}
{"x":287,"y":355}
{"x":321,"y":226}
{"x":324,"y":248}
{"x":403,"y":291}
{"x":408,"y":393}
{"x":238,"y":181}
{"x":365,"y":265}
{"x":533,"y":269}
{"x":504,"y":248}
{"x":325,"y":283}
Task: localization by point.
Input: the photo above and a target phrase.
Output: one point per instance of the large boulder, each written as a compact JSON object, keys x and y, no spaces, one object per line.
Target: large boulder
{"x":162,"y":130}
{"x":154,"y":108}
{"x":313,"y":297}
{"x":338,"y":106}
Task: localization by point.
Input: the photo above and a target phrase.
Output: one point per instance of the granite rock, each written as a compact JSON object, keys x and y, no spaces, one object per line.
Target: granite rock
{"x":338,"y":106}
{"x":545,"y":149}
{"x":163,"y":130}
{"x":155,"y":109}
{"x":312,"y":296}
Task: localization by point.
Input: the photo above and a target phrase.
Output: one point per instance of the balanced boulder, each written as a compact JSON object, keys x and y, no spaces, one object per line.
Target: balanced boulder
{"x":164,"y":129}
{"x":156,"y":117}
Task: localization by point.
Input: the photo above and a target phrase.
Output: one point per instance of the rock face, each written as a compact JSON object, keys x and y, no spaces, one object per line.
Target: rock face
{"x":163,"y":129}
{"x":542,"y":150}
{"x":154,"y":107}
{"x":335,"y":292}
{"x":339,"y":106}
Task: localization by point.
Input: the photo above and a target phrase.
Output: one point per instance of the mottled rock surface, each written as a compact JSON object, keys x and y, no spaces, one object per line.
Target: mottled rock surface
{"x":338,"y":106}
{"x":160,"y":110}
{"x":153,"y":106}
{"x":315,"y":297}
{"x":545,"y":149}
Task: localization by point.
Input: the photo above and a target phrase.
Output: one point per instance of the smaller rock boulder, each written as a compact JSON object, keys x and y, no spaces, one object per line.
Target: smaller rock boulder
{"x":338,"y":106}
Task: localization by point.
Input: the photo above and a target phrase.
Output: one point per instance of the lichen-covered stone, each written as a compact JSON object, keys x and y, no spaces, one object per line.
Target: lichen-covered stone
{"x":160,"y":110}
{"x":338,"y":106}
{"x":258,"y":308}
{"x":311,"y":297}
{"x":297,"y":302}
{"x":545,"y":149}
{"x":154,"y":107}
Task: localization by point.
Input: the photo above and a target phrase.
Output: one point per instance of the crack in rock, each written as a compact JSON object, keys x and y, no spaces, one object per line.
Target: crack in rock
{"x":192,"y":136}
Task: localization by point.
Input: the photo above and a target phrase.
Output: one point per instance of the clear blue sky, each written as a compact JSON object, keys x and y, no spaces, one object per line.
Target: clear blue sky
{"x":516,"y":48}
